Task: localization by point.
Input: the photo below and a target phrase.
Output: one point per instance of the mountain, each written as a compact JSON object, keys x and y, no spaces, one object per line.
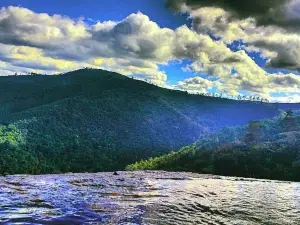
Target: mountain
{"x":263,"y":149}
{"x":93,"y":120}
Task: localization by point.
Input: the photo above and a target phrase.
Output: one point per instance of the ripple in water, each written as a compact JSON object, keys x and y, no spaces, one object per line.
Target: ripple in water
{"x":146,"y":198}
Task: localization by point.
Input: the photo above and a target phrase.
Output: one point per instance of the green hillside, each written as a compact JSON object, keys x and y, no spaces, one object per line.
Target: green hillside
{"x":93,"y":120}
{"x":262,"y":149}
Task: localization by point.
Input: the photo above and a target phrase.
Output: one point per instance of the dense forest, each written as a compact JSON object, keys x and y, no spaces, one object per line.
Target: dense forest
{"x":93,"y":120}
{"x":262,"y":149}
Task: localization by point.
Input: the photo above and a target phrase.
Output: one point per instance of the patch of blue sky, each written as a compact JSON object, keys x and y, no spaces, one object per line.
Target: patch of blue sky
{"x":103,"y":10}
{"x":283,"y":94}
{"x":175,"y":71}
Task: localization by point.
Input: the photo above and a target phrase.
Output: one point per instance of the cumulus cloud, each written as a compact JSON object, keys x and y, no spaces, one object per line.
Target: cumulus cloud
{"x":272,"y":26}
{"x":137,"y":46}
{"x":21,"y":26}
{"x":56,"y":43}
{"x":33,"y":58}
{"x":247,"y":76}
{"x":197,"y":84}
{"x":269,"y":27}
{"x":128,"y":46}
{"x":286,"y":49}
{"x":267,"y":12}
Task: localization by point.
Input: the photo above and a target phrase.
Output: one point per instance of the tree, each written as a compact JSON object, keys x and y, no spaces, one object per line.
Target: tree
{"x":253,"y":133}
{"x":289,"y":122}
{"x":289,"y":113}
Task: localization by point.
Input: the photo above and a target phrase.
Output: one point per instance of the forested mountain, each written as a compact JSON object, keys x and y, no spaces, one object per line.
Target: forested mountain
{"x":93,"y":120}
{"x":262,"y":149}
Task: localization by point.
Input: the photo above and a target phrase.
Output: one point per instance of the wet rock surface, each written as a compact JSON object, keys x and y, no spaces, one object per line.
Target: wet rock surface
{"x":146,"y":197}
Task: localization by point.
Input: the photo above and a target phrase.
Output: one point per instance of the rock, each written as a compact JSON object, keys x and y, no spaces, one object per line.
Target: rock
{"x":115,"y":174}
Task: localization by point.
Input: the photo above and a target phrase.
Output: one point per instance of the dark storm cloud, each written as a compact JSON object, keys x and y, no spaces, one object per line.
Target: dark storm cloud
{"x":242,"y":8}
{"x":122,"y":38}
{"x":288,"y":53}
{"x":285,"y":80}
{"x":10,"y":32}
{"x":266,"y":12}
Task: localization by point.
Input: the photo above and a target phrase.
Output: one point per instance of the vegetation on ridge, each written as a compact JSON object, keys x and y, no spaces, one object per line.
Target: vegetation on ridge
{"x":263,"y":149}
{"x":94,"y":120}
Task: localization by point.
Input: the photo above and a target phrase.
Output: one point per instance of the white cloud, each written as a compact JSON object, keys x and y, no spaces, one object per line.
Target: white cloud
{"x":281,"y":44}
{"x":247,"y":76}
{"x":136,"y":46}
{"x":21,"y":26}
{"x":197,"y":84}
{"x":133,"y":46}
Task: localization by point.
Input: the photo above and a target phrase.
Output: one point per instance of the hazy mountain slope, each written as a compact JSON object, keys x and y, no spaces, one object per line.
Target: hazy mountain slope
{"x":263,"y":149}
{"x":94,"y":120}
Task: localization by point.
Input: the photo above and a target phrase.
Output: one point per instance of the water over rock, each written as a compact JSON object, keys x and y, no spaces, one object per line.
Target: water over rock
{"x":146,"y":197}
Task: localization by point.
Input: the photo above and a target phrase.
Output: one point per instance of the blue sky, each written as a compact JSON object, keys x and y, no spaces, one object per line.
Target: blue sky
{"x":104,"y":10}
{"x":174,"y":50}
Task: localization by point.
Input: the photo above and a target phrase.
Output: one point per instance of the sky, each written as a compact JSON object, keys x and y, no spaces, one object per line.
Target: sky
{"x":219,"y":46}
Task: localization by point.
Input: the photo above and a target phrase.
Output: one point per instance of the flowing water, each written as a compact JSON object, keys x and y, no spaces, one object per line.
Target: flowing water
{"x":146,"y":198}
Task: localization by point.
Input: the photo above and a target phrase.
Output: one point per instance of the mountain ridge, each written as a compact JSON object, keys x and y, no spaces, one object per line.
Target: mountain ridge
{"x":94,"y":120}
